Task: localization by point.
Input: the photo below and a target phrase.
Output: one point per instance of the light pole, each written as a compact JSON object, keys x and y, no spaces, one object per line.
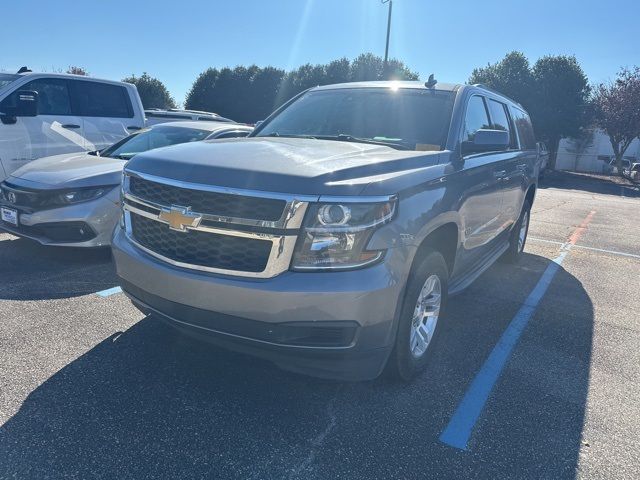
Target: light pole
{"x":386,"y":50}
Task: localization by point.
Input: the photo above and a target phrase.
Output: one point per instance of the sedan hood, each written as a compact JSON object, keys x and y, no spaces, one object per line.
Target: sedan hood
{"x":68,"y":170}
{"x":288,"y":165}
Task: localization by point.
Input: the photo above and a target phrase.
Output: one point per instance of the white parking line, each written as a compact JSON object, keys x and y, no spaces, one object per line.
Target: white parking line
{"x":460,"y":426}
{"x":109,"y":291}
{"x":584,"y":247}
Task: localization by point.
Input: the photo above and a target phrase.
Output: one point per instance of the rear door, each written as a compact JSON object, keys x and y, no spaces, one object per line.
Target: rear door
{"x":107,"y":112}
{"x":54,"y":131}
{"x":520,"y":167}
{"x":481,"y":202}
{"x":511,"y":165}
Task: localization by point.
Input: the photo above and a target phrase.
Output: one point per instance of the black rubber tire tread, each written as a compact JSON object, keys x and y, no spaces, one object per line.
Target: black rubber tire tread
{"x":402,"y":365}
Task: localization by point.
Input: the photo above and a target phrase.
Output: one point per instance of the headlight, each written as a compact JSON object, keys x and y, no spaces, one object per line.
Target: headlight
{"x":81,"y":195}
{"x":335,"y":235}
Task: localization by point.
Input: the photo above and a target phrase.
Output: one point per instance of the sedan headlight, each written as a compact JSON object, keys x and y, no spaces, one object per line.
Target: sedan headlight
{"x":81,"y":195}
{"x":335,"y":235}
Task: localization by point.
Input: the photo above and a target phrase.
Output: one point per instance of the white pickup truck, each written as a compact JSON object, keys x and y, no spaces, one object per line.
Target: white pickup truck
{"x":44,"y":114}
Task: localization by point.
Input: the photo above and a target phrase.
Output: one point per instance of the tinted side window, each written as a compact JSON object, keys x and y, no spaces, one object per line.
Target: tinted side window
{"x":476,"y":118}
{"x":53,"y":96}
{"x":524,"y":128}
{"x":93,"y":99}
{"x":500,"y":120}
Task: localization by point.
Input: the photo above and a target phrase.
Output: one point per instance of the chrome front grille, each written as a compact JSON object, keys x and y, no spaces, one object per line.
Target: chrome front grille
{"x":217,"y":203}
{"x":202,"y":248}
{"x":210,"y":228}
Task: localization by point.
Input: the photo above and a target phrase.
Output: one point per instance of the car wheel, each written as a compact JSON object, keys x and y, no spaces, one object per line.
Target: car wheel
{"x":518,"y":237}
{"x":421,"y":317}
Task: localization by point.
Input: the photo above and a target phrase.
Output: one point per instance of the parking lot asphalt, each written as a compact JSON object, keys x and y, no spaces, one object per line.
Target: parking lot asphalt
{"x":90,"y":388}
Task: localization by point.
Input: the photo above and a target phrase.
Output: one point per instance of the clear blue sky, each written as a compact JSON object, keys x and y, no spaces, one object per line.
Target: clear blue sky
{"x":176,"y":40}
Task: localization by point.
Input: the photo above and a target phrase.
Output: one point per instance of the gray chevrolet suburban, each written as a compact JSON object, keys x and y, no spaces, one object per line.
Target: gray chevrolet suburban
{"x":330,"y":240}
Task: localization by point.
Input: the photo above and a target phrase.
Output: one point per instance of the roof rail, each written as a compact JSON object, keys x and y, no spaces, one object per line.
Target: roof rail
{"x":482,"y":85}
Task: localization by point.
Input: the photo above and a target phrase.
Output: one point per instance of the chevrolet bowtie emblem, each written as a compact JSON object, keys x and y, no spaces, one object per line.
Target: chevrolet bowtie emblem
{"x":179,"y":218}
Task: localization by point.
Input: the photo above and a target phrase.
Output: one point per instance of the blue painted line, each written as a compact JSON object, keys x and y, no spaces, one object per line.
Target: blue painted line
{"x":458,"y":431}
{"x":109,"y":292}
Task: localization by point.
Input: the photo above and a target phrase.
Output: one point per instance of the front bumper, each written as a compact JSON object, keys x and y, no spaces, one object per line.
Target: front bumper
{"x":334,"y":324}
{"x":98,"y":216}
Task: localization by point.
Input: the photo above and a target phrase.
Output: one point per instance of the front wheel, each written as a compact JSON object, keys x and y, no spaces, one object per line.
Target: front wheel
{"x":420,"y":320}
{"x":518,"y":237}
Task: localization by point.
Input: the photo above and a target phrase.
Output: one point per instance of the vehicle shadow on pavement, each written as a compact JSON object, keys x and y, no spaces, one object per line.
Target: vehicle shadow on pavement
{"x":31,"y":271}
{"x":149,"y":403}
{"x":602,"y":185}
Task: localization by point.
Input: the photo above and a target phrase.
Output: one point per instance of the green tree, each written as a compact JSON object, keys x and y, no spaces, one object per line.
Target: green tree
{"x":561,"y":100}
{"x":77,"y":71}
{"x":152,"y":91}
{"x":617,"y":111}
{"x":248,"y":94}
{"x":555,"y":92}
{"x":338,"y":71}
{"x":245,"y":94}
{"x":511,"y":76}
{"x":370,"y":67}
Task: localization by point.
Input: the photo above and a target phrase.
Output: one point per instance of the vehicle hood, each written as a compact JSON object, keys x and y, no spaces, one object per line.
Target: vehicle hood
{"x":69,"y":170}
{"x":288,"y":165}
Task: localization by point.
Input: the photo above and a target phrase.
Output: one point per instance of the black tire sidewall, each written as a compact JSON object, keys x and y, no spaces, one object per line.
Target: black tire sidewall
{"x":405,"y":365}
{"x":512,"y":255}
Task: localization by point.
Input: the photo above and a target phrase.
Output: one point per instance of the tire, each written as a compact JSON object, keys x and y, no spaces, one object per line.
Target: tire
{"x":516,"y":242}
{"x":406,"y":362}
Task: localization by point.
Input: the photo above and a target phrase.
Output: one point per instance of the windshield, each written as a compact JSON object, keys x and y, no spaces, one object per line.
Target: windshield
{"x":161,"y":136}
{"x":402,"y":118}
{"x":6,"y":79}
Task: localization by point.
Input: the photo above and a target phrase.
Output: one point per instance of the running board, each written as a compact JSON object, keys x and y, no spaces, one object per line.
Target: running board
{"x":460,"y":284}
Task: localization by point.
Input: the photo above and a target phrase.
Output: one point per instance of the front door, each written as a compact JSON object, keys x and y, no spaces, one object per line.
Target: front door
{"x":54,"y":131}
{"x":481,"y":202}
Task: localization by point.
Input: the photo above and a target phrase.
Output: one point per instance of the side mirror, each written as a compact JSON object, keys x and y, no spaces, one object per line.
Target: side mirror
{"x":486,"y":140}
{"x":26,"y":103}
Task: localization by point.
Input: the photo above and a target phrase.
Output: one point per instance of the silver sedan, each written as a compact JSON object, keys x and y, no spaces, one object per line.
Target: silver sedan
{"x":73,"y":200}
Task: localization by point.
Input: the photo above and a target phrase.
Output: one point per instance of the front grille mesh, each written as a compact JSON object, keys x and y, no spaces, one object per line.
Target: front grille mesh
{"x":201,"y":248}
{"x":33,"y":200}
{"x":213,"y":203}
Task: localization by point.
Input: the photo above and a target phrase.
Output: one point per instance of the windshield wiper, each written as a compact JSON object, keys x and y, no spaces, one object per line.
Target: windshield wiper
{"x":350,"y":138}
{"x":288,"y":135}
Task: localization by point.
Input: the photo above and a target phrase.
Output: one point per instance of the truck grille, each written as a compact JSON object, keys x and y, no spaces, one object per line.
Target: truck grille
{"x":28,"y":199}
{"x":212,"y":203}
{"x":200,"y":248}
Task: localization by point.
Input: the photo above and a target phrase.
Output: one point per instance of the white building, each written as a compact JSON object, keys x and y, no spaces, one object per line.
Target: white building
{"x":591,"y":154}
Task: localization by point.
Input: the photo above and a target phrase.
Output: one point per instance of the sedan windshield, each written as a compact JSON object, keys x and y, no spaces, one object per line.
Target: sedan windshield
{"x":156,"y":137}
{"x":405,"y":118}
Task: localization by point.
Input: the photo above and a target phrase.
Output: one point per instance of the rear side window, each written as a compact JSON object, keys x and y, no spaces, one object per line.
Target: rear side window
{"x":500,"y":120}
{"x":475,"y":118}
{"x":53,"y":96}
{"x":93,"y":99}
{"x":524,"y":128}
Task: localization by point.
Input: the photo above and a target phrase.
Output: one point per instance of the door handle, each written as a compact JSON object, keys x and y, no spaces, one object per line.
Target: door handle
{"x":70,"y":125}
{"x":522,"y":167}
{"x":500,"y":174}
{"x":133,"y":127}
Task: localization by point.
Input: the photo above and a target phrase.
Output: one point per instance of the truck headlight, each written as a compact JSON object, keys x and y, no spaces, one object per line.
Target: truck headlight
{"x":335,"y":235}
